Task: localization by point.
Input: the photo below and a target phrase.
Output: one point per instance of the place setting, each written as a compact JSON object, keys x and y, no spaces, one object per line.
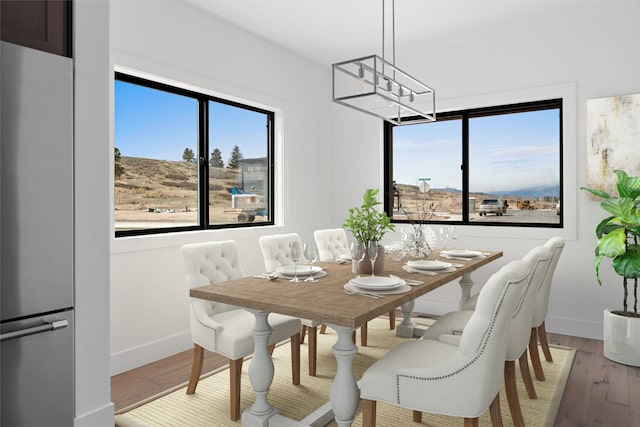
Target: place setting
{"x":462,"y":254}
{"x":373,"y":286}
{"x":429,"y":267}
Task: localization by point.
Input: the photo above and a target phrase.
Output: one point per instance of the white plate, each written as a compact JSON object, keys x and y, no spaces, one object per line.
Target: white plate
{"x":345,"y":257}
{"x":377,"y":282}
{"x":462,"y":253}
{"x":399,"y":290}
{"x":431,"y":265}
{"x":303,"y":270}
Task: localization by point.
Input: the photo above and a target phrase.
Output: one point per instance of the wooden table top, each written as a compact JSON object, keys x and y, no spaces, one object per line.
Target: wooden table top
{"x":325,"y":300}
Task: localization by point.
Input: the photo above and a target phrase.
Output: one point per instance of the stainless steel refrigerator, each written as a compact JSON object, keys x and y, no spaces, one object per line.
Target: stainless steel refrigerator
{"x":36,"y":230}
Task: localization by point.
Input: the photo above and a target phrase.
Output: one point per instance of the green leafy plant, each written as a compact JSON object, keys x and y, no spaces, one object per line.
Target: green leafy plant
{"x":366,"y":222}
{"x":618,"y":234}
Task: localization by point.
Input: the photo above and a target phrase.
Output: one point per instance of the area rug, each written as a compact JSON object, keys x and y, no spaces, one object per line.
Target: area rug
{"x":209,"y":406}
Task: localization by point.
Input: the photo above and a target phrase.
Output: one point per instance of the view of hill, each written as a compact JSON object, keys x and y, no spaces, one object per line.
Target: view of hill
{"x":148,"y":187}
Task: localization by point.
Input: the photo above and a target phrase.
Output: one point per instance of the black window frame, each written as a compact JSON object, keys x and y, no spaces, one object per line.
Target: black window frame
{"x":203,"y":158}
{"x":465,"y":115}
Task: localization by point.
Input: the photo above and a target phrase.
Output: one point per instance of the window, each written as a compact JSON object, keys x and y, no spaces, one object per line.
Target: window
{"x":508,"y":157}
{"x":188,"y":161}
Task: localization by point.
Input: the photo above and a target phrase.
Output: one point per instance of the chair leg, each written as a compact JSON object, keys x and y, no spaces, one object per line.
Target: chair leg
{"x":471,"y":422}
{"x":363,"y":335}
{"x":295,"y":358}
{"x":368,"y":413}
{"x":535,"y":356}
{"x":542,"y":337}
{"x":512,"y":393}
{"x":494,"y":411}
{"x":235,"y":376}
{"x":417,"y":417}
{"x":323,"y":328}
{"x":196,"y":368}
{"x":526,"y":375}
{"x":303,"y":332}
{"x":313,"y":350}
{"x":392,"y":319}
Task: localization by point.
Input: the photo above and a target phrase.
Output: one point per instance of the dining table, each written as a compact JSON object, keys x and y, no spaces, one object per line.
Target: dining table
{"x":327,"y":301}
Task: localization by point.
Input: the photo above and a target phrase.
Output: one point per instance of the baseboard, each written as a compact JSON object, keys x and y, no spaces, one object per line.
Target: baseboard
{"x":575,"y":327}
{"x":102,"y":417}
{"x":149,"y":352}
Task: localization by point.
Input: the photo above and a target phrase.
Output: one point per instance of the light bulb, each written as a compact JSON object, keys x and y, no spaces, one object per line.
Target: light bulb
{"x":362,"y":81}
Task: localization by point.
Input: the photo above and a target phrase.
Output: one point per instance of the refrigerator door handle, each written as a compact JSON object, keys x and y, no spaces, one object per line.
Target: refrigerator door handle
{"x":52,"y":326}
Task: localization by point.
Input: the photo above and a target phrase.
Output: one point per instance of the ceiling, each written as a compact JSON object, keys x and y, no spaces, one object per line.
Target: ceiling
{"x":328,"y":31}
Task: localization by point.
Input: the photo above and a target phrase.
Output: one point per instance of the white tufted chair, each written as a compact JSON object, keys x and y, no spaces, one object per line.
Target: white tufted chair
{"x":331,"y":243}
{"x":277,"y":253}
{"x":460,"y":380}
{"x":538,"y":330}
{"x":538,"y":260}
{"x":223,"y":328}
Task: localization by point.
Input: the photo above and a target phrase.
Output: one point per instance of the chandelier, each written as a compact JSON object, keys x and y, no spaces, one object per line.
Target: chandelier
{"x":373,"y":85}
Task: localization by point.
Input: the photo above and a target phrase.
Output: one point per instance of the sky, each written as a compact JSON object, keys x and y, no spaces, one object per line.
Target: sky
{"x":507,"y":152}
{"x":154,"y":124}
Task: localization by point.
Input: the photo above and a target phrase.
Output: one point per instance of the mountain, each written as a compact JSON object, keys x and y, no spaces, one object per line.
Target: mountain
{"x":523,"y":193}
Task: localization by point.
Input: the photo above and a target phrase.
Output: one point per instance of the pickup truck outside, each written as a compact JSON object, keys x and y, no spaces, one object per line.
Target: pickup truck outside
{"x":494,"y":206}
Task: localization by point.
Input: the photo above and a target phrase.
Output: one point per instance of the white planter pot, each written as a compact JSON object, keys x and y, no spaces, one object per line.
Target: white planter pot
{"x":621,"y":338}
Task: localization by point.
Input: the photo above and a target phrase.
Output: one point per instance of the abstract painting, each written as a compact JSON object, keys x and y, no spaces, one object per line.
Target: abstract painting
{"x":613,"y":140}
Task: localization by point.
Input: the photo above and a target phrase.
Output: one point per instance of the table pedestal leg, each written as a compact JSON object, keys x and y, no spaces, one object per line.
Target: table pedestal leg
{"x":407,"y":327}
{"x":260,"y":374}
{"x":345,"y":395}
{"x":465,"y":285}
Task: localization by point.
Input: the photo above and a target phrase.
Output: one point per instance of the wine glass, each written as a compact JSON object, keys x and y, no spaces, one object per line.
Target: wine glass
{"x":453,"y":235}
{"x":295,"y":257}
{"x":372,"y":248}
{"x":311,"y":255}
{"x":444,"y":236}
{"x":357,"y":254}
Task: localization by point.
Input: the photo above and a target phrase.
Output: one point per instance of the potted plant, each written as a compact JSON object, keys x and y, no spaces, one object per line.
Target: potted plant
{"x":367,"y":223}
{"x":618,"y":240}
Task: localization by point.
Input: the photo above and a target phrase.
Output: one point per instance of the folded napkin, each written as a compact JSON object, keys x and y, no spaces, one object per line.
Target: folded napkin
{"x":415,"y":270}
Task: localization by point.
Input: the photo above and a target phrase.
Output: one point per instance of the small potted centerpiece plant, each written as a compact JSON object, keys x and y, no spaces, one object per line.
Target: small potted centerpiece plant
{"x":367,"y":224}
{"x":618,"y":240}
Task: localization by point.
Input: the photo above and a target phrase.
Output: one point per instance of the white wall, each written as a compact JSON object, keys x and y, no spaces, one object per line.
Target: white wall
{"x":330,"y":154}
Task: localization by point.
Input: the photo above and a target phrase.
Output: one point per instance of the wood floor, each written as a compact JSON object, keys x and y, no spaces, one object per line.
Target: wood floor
{"x":598,"y":393}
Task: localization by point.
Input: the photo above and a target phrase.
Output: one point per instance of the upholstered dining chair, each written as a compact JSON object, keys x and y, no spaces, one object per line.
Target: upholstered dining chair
{"x":277,"y":253}
{"x":538,"y":329}
{"x":226,"y":329}
{"x":331,"y":243}
{"x":538,"y":260}
{"x":457,"y":376}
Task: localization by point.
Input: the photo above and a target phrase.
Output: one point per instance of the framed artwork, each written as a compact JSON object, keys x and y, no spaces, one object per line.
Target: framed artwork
{"x":613,"y":140}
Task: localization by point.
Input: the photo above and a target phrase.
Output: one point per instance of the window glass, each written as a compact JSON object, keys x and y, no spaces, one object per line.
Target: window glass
{"x":156,"y":144}
{"x":492,"y":166}
{"x":428,"y":156}
{"x":515,"y":158}
{"x":238,"y":165}
{"x":186,"y":161}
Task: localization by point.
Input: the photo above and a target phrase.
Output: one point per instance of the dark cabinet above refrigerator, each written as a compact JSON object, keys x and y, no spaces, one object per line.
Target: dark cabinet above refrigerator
{"x":39,"y":24}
